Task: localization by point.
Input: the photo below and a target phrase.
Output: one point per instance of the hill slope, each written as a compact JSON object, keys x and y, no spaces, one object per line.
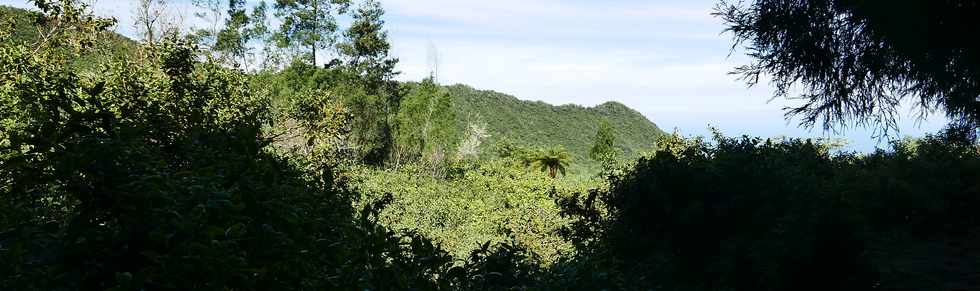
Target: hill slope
{"x":25,"y":31}
{"x":541,"y":124}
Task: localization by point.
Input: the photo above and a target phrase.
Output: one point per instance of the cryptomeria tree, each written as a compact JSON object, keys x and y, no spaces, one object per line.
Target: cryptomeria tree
{"x":855,"y":61}
{"x":604,"y":144}
{"x":425,"y":124}
{"x":309,"y":24}
{"x":366,"y":48}
{"x":369,"y":66}
{"x":241,"y":28}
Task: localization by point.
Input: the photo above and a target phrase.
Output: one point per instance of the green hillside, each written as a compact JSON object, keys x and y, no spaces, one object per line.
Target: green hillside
{"x":541,"y":124}
{"x":24,"y":23}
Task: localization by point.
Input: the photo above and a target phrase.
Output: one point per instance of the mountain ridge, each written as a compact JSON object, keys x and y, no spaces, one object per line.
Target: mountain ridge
{"x":538,"y":123}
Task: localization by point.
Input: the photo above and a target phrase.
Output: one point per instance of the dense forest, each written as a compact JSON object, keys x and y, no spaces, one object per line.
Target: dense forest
{"x":274,"y":150}
{"x":543,"y":125}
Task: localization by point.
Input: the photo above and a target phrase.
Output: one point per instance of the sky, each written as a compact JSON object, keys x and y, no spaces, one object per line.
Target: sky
{"x":667,"y":59}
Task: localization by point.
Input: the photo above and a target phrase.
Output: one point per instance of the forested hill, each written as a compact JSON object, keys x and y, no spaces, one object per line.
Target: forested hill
{"x":23,"y":22}
{"x":538,"y":123}
{"x":25,"y":31}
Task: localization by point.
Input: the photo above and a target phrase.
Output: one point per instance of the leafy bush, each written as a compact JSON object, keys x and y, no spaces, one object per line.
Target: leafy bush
{"x":753,"y":214}
{"x":491,"y":201}
{"x":154,"y":174}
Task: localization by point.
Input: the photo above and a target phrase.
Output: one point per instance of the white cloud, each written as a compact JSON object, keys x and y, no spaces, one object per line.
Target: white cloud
{"x":509,"y":12}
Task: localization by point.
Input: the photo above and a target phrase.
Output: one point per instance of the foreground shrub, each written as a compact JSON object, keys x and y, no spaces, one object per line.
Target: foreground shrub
{"x":153,"y":174}
{"x":752,"y":214}
{"x":488,"y":201}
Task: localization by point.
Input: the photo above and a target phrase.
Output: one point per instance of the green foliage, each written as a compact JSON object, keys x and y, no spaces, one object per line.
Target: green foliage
{"x":23,"y":24}
{"x":361,"y":79}
{"x":148,"y":176}
{"x":853,"y":62}
{"x":308,"y":24}
{"x":240,"y":30}
{"x":553,"y":160}
{"x":366,"y":49}
{"x":426,"y":128}
{"x":371,"y":70}
{"x":753,"y":214}
{"x":504,"y":266}
{"x":400,"y":123}
{"x":604,"y":142}
{"x":324,"y":123}
{"x":491,"y":201}
{"x":296,"y":79}
{"x":544,"y":125}
{"x":370,"y":134}
{"x":505,"y":148}
{"x":35,"y":29}
{"x":168,"y":171}
{"x":604,"y":148}
{"x":156,"y":175}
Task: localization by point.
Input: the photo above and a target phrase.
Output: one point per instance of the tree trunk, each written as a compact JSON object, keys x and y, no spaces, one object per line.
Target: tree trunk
{"x":316,"y":29}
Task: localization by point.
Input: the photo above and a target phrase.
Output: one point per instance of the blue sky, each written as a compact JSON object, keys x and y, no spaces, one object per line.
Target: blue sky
{"x":666,"y":59}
